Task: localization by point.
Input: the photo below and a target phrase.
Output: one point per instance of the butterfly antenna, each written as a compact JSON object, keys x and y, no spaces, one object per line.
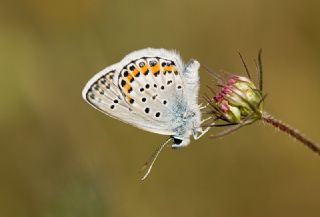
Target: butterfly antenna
{"x":213,"y":74}
{"x":148,"y":165}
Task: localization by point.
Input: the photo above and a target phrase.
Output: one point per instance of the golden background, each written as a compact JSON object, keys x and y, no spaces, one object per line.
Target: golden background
{"x":59,"y":157}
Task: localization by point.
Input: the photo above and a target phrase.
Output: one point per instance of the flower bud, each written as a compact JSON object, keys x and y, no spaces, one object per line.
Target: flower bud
{"x":239,"y":99}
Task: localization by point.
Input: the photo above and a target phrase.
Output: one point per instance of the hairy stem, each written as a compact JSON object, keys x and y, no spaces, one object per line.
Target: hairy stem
{"x":267,"y":118}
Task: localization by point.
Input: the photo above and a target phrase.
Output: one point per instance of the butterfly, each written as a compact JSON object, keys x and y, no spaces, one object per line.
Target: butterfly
{"x":151,"y":89}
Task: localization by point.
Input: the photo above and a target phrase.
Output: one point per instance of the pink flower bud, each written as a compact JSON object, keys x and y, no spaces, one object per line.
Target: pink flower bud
{"x":238,"y":98}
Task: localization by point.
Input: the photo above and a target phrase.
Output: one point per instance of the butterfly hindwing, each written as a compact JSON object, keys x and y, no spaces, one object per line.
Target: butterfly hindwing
{"x":103,"y":94}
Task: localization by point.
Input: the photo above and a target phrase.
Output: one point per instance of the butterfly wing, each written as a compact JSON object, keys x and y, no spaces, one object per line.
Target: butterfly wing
{"x":147,"y":90}
{"x":150,"y":80}
{"x":104,"y":95}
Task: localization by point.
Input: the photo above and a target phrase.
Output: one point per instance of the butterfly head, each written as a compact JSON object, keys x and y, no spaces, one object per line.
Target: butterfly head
{"x":180,"y":142}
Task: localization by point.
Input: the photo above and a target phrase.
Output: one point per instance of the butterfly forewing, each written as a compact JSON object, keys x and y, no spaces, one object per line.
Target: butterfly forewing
{"x":152,"y":85}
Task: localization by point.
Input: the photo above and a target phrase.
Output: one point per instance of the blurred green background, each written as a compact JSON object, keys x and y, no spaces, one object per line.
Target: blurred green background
{"x":60,"y":157}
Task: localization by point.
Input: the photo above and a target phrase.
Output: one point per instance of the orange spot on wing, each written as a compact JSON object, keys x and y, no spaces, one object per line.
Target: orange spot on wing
{"x":130,"y":77}
{"x":126,"y":88}
{"x":129,"y":99}
{"x":144,"y":69}
{"x":167,"y":68}
{"x":135,"y":72}
{"x":155,"y":68}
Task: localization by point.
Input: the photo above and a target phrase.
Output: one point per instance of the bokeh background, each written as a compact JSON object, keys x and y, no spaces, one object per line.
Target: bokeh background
{"x":59,"y":157}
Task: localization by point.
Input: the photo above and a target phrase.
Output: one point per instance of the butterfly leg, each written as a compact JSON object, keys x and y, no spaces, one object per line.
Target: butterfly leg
{"x":200,"y":132}
{"x":201,"y":107}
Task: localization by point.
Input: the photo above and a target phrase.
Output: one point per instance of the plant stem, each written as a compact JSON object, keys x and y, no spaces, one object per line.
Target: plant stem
{"x":267,"y":118}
